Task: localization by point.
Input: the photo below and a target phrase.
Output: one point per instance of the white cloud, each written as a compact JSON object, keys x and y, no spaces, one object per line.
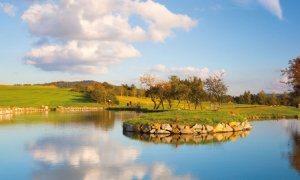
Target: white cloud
{"x":98,"y":22}
{"x":278,"y":85}
{"x":272,"y":6}
{"x":80,"y":56}
{"x":8,"y":9}
{"x":159,"y":68}
{"x":104,"y":20}
{"x":184,"y":71}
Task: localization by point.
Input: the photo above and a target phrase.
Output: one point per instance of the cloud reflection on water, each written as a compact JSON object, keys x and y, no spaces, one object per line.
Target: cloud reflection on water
{"x":93,"y":155}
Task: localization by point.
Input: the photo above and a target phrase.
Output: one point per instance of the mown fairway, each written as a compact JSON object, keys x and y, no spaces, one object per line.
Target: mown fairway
{"x":35,"y":96}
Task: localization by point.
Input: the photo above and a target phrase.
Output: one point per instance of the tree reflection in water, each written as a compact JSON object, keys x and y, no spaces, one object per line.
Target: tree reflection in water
{"x":101,"y":119}
{"x":294,"y":156}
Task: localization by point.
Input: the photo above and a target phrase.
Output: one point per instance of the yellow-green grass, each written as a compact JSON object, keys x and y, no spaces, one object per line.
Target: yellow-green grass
{"x":36,"y":96}
{"x":207,"y":117}
{"x":213,"y":117}
{"x":145,"y":102}
{"x":265,"y":112}
{"x":246,"y":110}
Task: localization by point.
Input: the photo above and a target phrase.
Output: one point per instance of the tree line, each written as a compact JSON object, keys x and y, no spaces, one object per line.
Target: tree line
{"x":106,"y":93}
{"x":262,"y":98}
{"x":192,"y":90}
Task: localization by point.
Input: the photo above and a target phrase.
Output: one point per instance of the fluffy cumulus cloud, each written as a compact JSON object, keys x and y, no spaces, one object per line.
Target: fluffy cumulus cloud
{"x":272,"y":6}
{"x":90,"y":37}
{"x":8,"y":9}
{"x":80,"y":56}
{"x":185,"y":71}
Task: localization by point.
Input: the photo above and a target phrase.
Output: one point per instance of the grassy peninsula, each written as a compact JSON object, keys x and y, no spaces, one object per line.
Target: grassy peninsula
{"x":213,"y":117}
{"x":187,"y":117}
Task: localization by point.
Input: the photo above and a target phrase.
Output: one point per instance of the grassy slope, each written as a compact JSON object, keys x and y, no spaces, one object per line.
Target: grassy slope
{"x":35,"y":96}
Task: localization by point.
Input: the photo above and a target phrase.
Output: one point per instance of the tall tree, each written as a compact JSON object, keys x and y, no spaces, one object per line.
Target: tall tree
{"x":247,"y":97}
{"x":183,"y":92}
{"x":197,"y":93}
{"x":127,"y":89}
{"x":274,"y":100}
{"x":172,"y":89}
{"x":262,"y":98}
{"x":152,"y":92}
{"x":293,"y":74}
{"x":133,"y":90}
{"x":285,"y":99}
{"x":216,"y":88}
{"x":122,"y":89}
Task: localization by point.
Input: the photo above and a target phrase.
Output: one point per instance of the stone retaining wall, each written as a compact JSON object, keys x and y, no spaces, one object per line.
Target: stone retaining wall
{"x":77,"y":109}
{"x":5,"y":117}
{"x":14,"y":110}
{"x":175,"y":128}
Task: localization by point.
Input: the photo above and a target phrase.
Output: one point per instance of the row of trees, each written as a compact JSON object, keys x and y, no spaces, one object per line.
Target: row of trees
{"x":264,"y":99}
{"x":126,"y":90}
{"x":190,"y":90}
{"x":105,"y":93}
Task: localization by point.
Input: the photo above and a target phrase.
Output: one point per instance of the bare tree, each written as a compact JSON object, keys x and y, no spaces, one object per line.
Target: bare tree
{"x":216,"y":88}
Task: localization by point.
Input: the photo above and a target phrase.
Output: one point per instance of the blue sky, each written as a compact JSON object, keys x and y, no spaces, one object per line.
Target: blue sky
{"x":251,"y":40}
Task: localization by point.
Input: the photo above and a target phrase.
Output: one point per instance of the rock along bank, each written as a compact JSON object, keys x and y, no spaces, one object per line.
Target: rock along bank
{"x":175,"y":128}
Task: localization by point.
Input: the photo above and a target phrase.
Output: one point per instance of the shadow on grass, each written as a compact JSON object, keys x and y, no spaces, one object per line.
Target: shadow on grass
{"x":84,"y":98}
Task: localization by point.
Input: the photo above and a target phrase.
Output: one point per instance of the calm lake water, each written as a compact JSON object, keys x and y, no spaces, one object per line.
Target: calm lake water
{"x":92,"y":146}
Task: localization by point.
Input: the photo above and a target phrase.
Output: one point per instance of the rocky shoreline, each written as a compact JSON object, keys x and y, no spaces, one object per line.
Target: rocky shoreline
{"x":175,"y":128}
{"x":77,"y":109}
{"x":17,"y":110}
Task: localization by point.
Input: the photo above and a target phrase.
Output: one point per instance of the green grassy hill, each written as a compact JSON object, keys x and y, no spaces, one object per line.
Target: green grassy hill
{"x":35,"y":96}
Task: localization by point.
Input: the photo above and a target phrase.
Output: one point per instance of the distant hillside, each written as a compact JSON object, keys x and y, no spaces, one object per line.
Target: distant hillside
{"x":68,"y":84}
